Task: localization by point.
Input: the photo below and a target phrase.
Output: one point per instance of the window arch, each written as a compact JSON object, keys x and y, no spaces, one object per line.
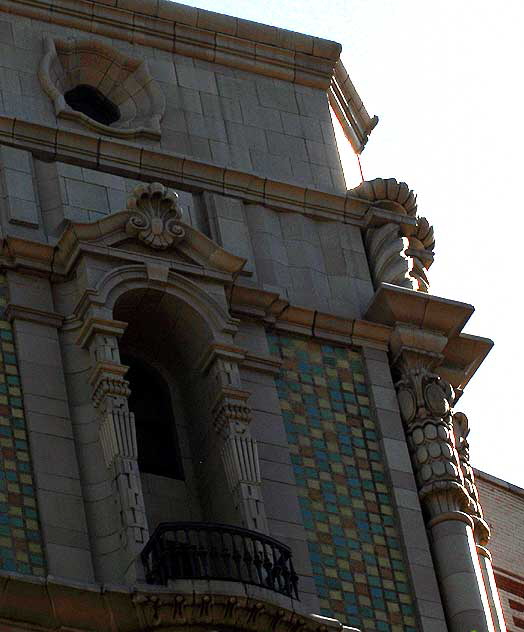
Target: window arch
{"x":150,"y":401}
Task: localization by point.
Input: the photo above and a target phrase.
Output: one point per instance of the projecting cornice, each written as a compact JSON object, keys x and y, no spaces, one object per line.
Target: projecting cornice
{"x":192,"y":32}
{"x":135,"y":162}
{"x":218,"y":38}
{"x":430,"y":326}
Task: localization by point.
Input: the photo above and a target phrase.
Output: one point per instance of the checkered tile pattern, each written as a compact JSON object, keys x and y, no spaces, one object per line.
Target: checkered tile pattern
{"x":20,"y":540}
{"x":347,"y":508}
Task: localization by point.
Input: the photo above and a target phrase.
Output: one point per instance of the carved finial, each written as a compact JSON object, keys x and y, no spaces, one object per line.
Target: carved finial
{"x":156,"y":216}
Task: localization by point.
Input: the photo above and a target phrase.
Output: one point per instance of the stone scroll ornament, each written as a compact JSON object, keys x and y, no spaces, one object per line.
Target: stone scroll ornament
{"x":398,"y":253}
{"x":155,"y":215}
{"x":461,"y":431}
{"x":425,"y":401}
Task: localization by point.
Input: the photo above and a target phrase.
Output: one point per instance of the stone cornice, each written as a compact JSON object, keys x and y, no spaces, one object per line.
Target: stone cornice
{"x":41,"y":317}
{"x":280,"y":314}
{"x":132,"y":161}
{"x":53,"y":604}
{"x":196,"y":33}
{"x":423,"y":325}
{"x":349,"y":109}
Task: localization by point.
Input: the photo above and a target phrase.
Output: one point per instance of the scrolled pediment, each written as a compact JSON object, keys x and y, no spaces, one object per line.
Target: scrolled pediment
{"x":151,"y":225}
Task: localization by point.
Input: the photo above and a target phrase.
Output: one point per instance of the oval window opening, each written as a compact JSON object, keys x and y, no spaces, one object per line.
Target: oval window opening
{"x":92,"y":103}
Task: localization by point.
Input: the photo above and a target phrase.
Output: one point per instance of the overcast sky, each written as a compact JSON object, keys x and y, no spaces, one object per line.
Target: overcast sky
{"x":445,"y":79}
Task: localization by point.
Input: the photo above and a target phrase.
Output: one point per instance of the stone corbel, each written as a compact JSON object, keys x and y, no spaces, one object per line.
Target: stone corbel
{"x":400,"y":254}
{"x":400,"y":248}
{"x":110,"y":392}
{"x":239,"y":452}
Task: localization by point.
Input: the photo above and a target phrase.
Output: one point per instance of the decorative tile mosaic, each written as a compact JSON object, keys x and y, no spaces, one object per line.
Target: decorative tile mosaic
{"x":347,"y":509}
{"x":20,"y":541}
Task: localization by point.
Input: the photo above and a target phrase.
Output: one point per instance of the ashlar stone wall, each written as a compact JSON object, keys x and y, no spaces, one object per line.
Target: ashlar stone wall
{"x":213,"y":113}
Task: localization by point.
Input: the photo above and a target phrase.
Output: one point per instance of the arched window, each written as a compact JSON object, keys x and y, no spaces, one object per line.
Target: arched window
{"x":150,"y":401}
{"x":93,"y":104}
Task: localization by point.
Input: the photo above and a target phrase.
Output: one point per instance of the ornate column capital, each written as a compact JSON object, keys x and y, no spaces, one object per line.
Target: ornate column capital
{"x":425,"y":401}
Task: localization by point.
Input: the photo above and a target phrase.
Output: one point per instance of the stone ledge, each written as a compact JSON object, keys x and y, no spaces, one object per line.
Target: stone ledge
{"x":433,"y":325}
{"x":131,"y":161}
{"x":192,"y":32}
{"x":56,"y":603}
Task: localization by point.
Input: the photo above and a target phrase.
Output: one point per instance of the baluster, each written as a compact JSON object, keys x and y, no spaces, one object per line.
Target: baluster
{"x":162,"y":555}
{"x":284,"y":572}
{"x":258,"y":561}
{"x":203,"y":553}
{"x":226,"y":556}
{"x":268,"y":566}
{"x":248,"y":557}
{"x":214,"y":557}
{"x":293,"y":578}
{"x":236,"y":556}
{"x":190,"y":555}
{"x":277,"y":569}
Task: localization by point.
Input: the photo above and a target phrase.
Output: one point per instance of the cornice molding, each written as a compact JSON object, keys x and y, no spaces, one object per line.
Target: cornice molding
{"x":23,"y":312}
{"x":132,"y":161}
{"x":179,"y":29}
{"x":424,"y":325}
{"x":353,"y":117}
{"x":52,"y":604}
{"x":278,"y":313}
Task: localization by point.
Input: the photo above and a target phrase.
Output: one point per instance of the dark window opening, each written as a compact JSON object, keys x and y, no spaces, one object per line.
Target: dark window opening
{"x":150,"y":401}
{"x":92,"y":103}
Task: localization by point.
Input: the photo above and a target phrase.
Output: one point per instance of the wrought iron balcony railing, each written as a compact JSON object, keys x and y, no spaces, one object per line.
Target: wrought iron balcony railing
{"x":201,"y":550}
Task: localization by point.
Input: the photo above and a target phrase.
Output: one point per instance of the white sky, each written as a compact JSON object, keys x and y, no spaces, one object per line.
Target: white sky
{"x":446,"y":80}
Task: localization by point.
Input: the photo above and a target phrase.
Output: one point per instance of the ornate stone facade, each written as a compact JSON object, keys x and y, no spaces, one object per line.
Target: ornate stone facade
{"x":213,"y":338}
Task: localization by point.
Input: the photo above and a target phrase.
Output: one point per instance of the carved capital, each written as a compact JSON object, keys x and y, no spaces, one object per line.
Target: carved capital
{"x":232,"y":418}
{"x":425,"y":402}
{"x":107,"y":381}
{"x":155,"y":216}
{"x":461,"y":431}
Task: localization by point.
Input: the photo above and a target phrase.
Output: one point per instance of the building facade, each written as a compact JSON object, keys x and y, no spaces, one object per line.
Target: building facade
{"x":228,"y":399}
{"x":503,"y":504}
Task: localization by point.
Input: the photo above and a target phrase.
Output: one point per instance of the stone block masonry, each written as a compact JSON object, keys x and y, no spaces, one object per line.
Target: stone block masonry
{"x":346,"y":505}
{"x":20,"y":538}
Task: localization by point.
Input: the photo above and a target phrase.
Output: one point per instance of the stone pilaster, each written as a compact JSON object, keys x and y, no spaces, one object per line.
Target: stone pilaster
{"x":426,"y":402}
{"x":110,"y":392}
{"x":481,"y":530}
{"x":238,"y":449}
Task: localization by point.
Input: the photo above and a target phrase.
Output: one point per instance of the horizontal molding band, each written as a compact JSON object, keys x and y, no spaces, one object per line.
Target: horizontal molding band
{"x":182,"y":30}
{"x":150,"y":164}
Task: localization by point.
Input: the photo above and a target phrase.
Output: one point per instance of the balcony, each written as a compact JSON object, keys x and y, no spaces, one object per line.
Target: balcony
{"x":201,"y":550}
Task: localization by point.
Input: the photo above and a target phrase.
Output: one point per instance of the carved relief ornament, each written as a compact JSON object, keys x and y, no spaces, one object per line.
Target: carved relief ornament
{"x":425,"y":402}
{"x":126,"y":82}
{"x":399,"y":252}
{"x":155,"y":216}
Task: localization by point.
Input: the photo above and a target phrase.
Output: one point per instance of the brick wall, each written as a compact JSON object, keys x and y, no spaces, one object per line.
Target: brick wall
{"x":503,"y":506}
